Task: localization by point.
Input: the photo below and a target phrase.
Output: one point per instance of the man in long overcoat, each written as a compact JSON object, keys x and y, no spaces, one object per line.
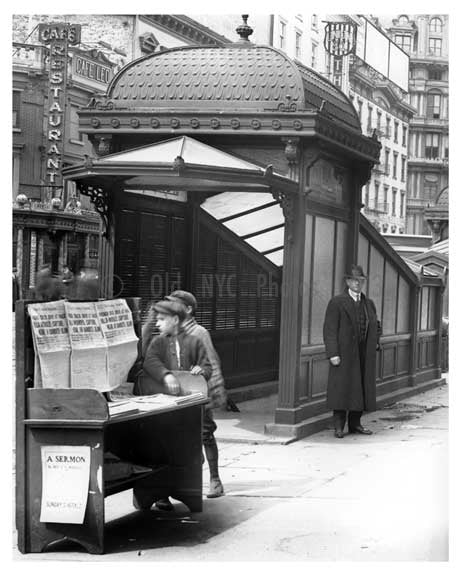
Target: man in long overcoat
{"x":351,"y":335}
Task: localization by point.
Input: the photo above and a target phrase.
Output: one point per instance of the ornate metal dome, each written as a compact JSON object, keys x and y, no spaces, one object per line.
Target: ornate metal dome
{"x":241,"y":77}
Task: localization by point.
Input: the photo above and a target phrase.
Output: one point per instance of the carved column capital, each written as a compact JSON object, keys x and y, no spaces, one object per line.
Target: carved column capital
{"x":291,"y":149}
{"x":287,"y":203}
{"x":103,"y":144}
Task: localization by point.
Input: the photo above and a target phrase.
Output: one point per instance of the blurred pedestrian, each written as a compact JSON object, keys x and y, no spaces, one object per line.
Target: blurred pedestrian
{"x":47,"y":286}
{"x":16,"y":290}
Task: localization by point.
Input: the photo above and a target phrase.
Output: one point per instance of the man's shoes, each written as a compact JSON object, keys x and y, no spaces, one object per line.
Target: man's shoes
{"x":339,"y":434}
{"x":164,"y":505}
{"x":216,"y":488}
{"x":360,"y":430}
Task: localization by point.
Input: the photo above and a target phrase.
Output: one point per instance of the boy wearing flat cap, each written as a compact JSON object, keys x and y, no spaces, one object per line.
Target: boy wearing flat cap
{"x":351,"y":333}
{"x":216,"y":390}
{"x":172,"y":349}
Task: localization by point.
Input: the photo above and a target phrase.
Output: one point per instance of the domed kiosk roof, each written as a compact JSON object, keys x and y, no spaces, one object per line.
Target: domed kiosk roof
{"x":241,"y":76}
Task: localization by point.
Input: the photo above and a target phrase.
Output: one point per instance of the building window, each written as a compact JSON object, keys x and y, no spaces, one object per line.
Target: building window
{"x":433,"y":105}
{"x":435,"y":46}
{"x":314,"y":55}
{"x":402,"y":204}
{"x":431,"y":187}
{"x":394,"y":200}
{"x":298,"y":44}
{"x":378,"y":119}
{"x":367,"y":194}
{"x":404,"y":135}
{"x":403,"y":20}
{"x":387,"y":168}
{"x":394,"y":166}
{"x":435,"y":74}
{"x":370,"y":114}
{"x":74,"y":133}
{"x":314,"y":21}
{"x":396,"y":131}
{"x":16,"y":108}
{"x":283,"y":34}
{"x":388,"y":127}
{"x":376,"y":194}
{"x":402,"y":169}
{"x":93,"y":246}
{"x":359,"y":111}
{"x":404,"y":41}
{"x":432,"y":145}
{"x":386,"y":197}
{"x":435,"y":25}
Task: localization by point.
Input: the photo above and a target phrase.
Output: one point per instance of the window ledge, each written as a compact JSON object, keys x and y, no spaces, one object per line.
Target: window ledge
{"x":78,"y":142}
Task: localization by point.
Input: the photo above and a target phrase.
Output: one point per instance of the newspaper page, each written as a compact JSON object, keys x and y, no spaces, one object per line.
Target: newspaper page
{"x":88,"y":361}
{"x":65,"y":483}
{"x":122,"y":343}
{"x":51,"y":343}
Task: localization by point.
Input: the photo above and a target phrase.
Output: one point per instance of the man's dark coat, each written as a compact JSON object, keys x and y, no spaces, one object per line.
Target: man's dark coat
{"x":341,"y":337}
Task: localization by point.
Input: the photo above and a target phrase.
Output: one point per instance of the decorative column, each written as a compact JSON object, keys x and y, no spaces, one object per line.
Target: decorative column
{"x":62,"y":252}
{"x":19,"y":257}
{"x":86,"y":261}
{"x":439,"y":327}
{"x":291,"y":307}
{"x":414,"y":349}
{"x":294,"y":211}
{"x":32,"y":258}
{"x":40,"y":251}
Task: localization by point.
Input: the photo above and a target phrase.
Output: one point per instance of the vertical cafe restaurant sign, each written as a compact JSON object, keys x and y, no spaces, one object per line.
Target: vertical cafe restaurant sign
{"x":59,"y":36}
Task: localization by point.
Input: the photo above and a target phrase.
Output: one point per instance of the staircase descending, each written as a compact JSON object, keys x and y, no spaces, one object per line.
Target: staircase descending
{"x":255,"y":218}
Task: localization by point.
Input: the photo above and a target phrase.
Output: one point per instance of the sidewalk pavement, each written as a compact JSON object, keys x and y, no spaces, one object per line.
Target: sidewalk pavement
{"x":368,"y":498}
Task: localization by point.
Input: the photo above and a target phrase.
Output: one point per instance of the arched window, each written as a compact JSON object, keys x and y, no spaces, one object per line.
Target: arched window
{"x":403,"y":19}
{"x":435,"y":25}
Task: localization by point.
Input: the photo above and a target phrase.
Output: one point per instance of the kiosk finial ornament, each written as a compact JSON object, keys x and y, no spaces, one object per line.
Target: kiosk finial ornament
{"x":244,"y":31}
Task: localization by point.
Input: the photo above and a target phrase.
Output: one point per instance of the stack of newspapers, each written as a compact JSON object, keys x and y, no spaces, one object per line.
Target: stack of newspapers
{"x":135,"y":404}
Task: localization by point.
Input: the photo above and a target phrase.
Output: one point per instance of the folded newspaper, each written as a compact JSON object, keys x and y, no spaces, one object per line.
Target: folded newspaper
{"x":83,"y":344}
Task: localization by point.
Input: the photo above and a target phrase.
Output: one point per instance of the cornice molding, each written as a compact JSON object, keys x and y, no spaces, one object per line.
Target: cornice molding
{"x":186,"y":28}
{"x":54,"y":221}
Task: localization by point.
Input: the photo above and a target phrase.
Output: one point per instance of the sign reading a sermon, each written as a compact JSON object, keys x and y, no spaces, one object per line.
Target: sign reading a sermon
{"x":65,"y":481}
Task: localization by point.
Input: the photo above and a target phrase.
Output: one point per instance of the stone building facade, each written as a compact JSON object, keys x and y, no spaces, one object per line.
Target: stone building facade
{"x":425,"y":38}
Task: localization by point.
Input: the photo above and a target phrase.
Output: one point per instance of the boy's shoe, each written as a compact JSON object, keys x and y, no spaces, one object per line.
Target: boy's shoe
{"x":216,"y":488}
{"x":164,"y":505}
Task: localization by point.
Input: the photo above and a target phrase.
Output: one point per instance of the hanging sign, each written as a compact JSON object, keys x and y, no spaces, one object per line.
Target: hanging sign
{"x":340,"y":38}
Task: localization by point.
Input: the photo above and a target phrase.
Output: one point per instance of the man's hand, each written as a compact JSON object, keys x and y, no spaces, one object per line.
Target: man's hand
{"x":196,"y":370}
{"x":335,"y":360}
{"x":172,"y":384}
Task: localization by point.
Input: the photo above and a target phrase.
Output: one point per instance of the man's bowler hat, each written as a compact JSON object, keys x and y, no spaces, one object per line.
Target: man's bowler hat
{"x":356,"y":272}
